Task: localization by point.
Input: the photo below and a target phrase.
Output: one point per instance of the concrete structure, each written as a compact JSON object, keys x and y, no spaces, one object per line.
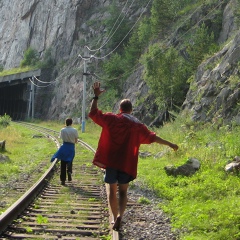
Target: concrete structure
{"x":17,"y":95}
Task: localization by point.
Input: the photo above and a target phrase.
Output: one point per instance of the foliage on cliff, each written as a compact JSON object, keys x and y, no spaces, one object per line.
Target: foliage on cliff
{"x":168,"y":60}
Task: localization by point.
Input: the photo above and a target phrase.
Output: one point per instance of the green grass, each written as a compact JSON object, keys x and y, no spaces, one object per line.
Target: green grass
{"x":203,"y":206}
{"x":16,"y":70}
{"x":143,"y":200}
{"x":24,"y":151}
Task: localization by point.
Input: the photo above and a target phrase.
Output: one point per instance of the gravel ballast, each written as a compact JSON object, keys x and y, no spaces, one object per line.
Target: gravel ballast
{"x":145,"y":221}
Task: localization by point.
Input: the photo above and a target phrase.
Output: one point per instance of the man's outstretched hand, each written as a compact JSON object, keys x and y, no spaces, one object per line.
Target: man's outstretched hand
{"x":174,"y":146}
{"x":96,"y":89}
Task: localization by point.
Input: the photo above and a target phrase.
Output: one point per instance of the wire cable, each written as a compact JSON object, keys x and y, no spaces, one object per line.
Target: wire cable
{"x":38,"y":85}
{"x":45,"y":82}
{"x":135,"y":68}
{"x":110,"y":35}
{"x":49,"y":83}
{"x":99,"y":58}
{"x":196,"y":25}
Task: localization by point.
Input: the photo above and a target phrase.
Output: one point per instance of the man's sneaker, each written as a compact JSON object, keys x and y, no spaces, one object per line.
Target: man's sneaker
{"x":62,"y":183}
{"x":69,"y":177}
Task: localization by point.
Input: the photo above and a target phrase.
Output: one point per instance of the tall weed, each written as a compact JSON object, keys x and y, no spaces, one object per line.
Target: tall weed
{"x":5,"y":120}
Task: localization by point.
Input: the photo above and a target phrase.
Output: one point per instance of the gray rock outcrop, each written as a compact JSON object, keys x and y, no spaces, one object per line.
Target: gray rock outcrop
{"x":215,"y":93}
{"x":63,"y":27}
{"x":187,"y":169}
{"x":234,"y":165}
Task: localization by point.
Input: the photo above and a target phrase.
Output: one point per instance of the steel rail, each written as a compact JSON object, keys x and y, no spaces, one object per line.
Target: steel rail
{"x":23,"y":202}
{"x":14,"y":210}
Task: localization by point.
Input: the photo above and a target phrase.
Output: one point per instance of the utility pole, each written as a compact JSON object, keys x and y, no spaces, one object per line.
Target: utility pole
{"x":85,"y":59}
{"x":30,"y":100}
{"x":33,"y":100}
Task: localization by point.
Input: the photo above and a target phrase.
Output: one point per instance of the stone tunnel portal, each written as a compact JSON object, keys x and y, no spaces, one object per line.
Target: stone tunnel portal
{"x":15,"y":94}
{"x":14,"y":101}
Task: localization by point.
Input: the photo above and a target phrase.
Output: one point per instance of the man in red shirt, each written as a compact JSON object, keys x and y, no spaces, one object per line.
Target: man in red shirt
{"x":117,"y":152}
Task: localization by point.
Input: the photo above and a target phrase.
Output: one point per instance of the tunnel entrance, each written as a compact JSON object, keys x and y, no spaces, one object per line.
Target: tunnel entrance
{"x":16,"y":94}
{"x":14,"y":101}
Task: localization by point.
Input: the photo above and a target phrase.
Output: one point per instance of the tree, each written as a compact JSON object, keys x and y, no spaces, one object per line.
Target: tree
{"x":144,"y":35}
{"x":165,"y":73}
{"x":201,"y":43}
{"x":114,"y":69}
{"x":47,"y":61}
{"x":31,"y":58}
{"x":161,"y":15}
{"x":117,"y":27}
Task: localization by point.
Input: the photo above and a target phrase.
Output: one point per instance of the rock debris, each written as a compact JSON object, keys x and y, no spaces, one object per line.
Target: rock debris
{"x":145,"y":221}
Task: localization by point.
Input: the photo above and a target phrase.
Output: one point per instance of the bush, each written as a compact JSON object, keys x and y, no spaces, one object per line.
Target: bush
{"x":5,"y":120}
{"x":31,"y":58}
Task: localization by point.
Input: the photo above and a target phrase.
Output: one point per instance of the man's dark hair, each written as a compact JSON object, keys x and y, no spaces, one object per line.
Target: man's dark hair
{"x":68,"y":121}
{"x":126,"y":105}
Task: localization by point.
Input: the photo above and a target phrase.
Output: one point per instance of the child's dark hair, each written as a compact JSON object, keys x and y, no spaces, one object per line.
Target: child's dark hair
{"x":68,"y":121}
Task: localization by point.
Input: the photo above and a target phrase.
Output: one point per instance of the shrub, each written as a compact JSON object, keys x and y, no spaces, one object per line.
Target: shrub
{"x":5,"y":120}
{"x":31,"y":58}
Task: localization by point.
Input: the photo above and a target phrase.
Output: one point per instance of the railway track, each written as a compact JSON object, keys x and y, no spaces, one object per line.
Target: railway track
{"x":48,"y":210}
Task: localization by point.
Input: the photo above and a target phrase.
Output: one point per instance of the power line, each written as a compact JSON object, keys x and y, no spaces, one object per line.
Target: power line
{"x":45,"y":82}
{"x":99,"y":58}
{"x":135,"y":68}
{"x":110,"y":35}
{"x":38,"y":85}
{"x":191,"y":27}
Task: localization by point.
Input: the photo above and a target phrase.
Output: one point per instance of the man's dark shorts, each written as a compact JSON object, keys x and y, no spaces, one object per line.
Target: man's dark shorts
{"x":115,"y":176}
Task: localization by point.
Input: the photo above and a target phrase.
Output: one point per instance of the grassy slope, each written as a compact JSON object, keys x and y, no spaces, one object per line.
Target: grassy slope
{"x":16,"y":71}
{"x":23,"y":150}
{"x":204,"y":206}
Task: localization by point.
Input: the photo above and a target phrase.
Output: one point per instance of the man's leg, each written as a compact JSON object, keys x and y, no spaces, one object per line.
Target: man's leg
{"x":113,"y":201}
{"x":122,"y":188}
{"x":122,"y":191}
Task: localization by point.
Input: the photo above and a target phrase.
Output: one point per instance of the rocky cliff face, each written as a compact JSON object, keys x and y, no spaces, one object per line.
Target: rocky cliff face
{"x":214,"y":95}
{"x":62,"y":26}
{"x":58,"y":25}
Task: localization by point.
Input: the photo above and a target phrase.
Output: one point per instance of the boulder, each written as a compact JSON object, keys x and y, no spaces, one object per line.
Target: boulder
{"x":233,"y":166}
{"x":3,"y":158}
{"x":187,"y":169}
